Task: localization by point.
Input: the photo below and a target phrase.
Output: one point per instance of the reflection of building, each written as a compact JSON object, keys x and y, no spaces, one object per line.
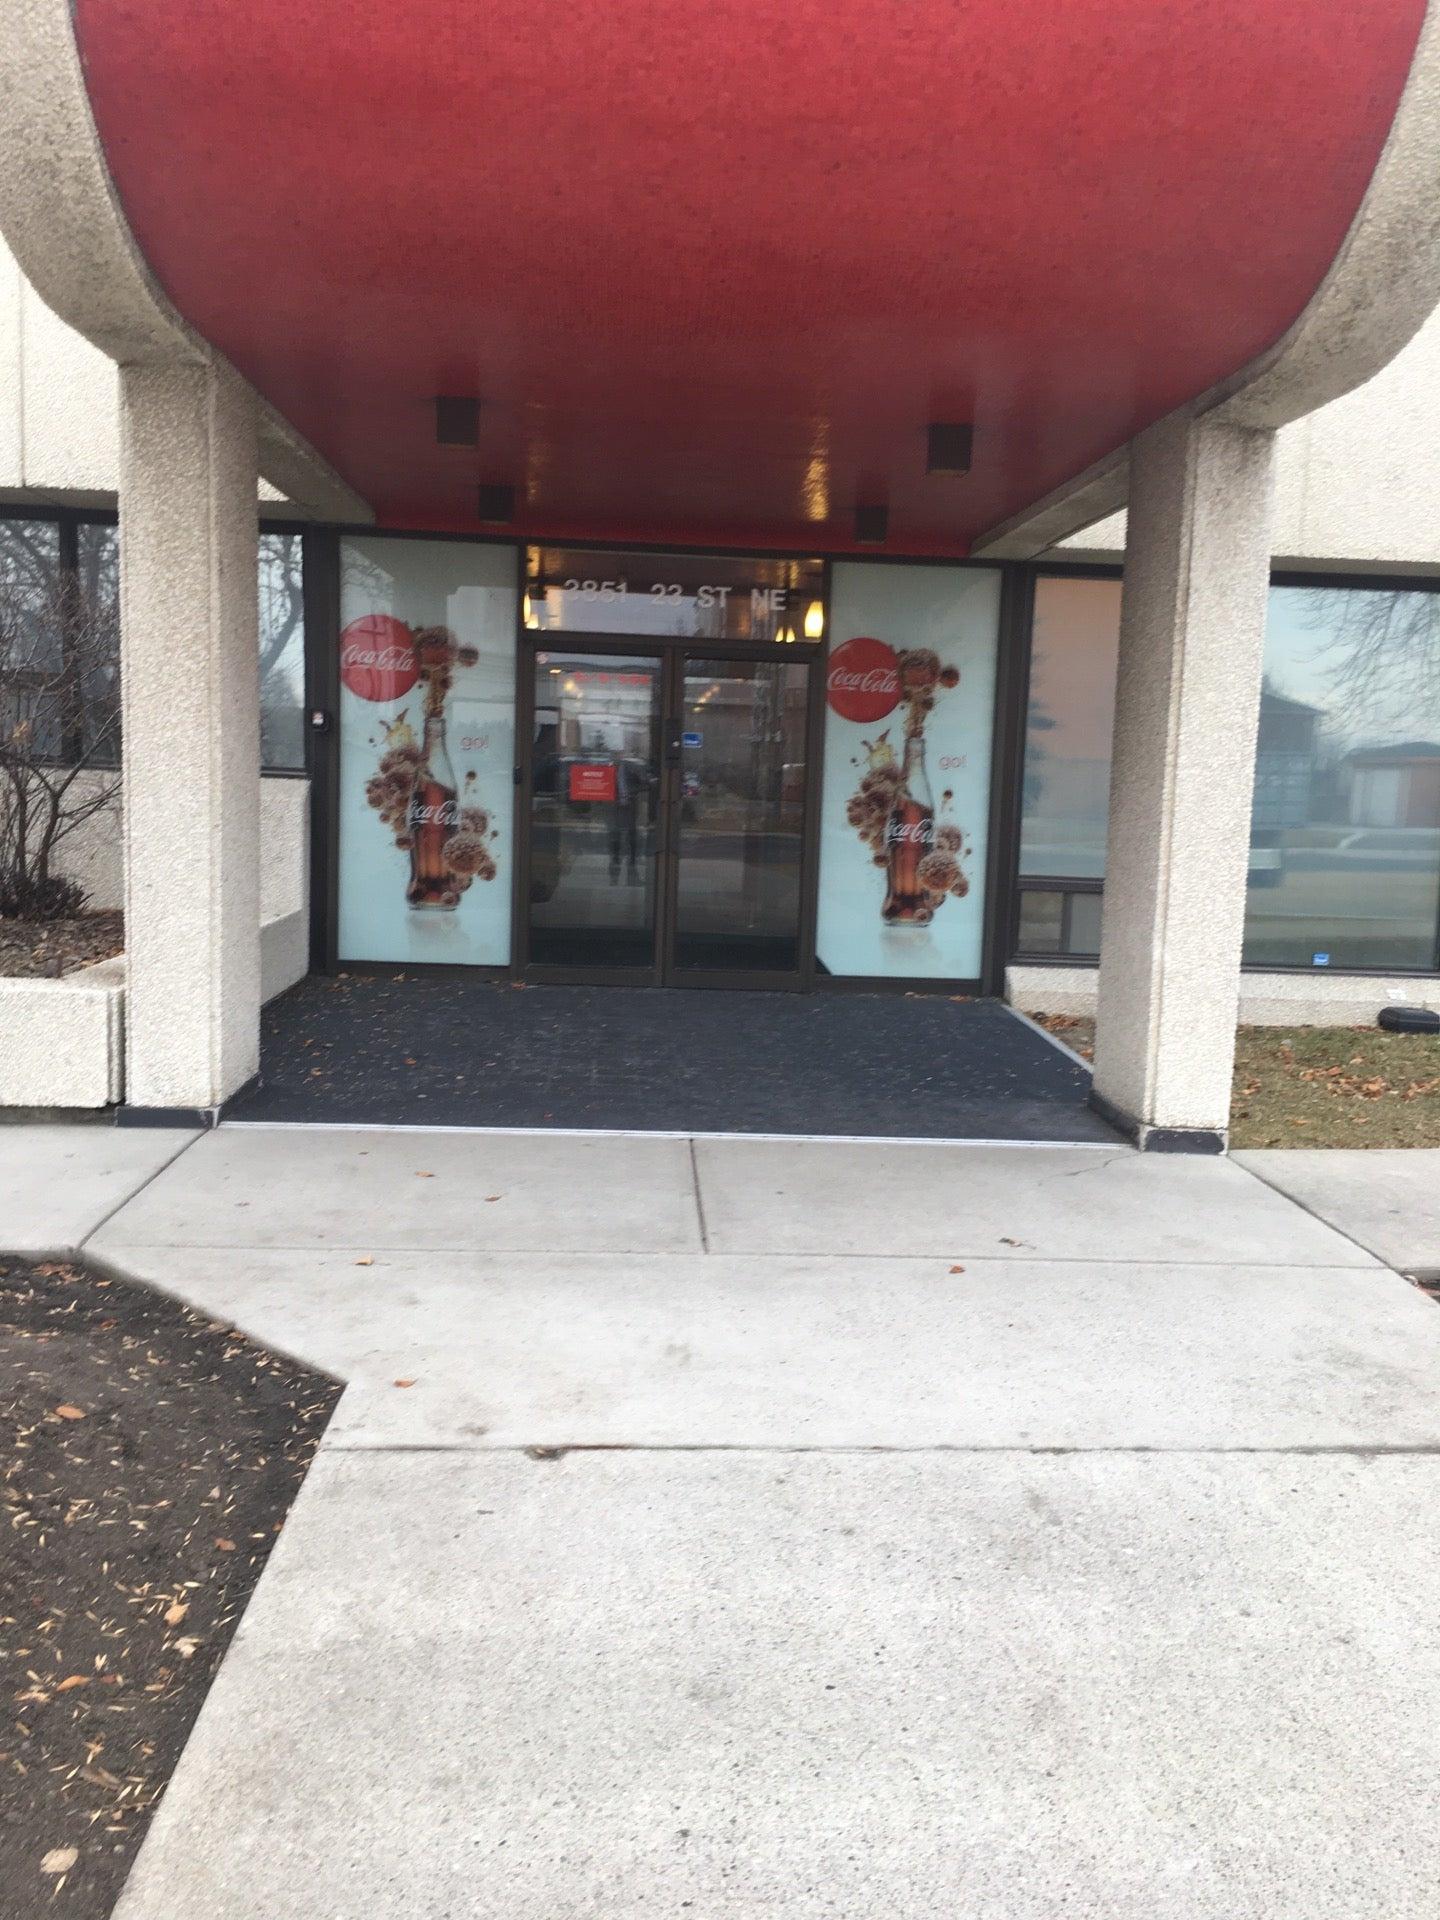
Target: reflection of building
{"x":1284,"y":760}
{"x":1396,"y":786}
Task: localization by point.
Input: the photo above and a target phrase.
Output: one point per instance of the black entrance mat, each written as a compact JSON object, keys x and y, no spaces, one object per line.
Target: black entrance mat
{"x":400,"y":1050}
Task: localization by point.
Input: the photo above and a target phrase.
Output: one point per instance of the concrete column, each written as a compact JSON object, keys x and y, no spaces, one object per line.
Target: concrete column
{"x":189,"y":675}
{"x":1192,"y":630}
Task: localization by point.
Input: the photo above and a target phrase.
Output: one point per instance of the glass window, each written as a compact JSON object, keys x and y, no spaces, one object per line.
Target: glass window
{"x":1059,"y":921}
{"x":97,"y":556}
{"x":741,"y":822}
{"x":282,"y":653}
{"x":1066,"y":795}
{"x":32,"y":654}
{"x":1344,"y":863}
{"x":1345,"y":845}
{"x":65,"y":668}
{"x":427,"y":750}
{"x":905,"y":797}
{"x":687,"y":596}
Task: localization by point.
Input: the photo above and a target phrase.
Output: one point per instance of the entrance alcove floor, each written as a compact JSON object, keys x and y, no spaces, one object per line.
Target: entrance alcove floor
{"x":394,"y":1049}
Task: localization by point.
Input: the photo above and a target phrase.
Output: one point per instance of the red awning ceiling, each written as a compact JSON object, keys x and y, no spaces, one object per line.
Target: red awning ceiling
{"x":712,"y":267}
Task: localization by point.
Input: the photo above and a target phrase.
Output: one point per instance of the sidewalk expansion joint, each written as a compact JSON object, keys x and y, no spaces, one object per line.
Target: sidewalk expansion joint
{"x":1305,"y":1207}
{"x":120,"y":1205}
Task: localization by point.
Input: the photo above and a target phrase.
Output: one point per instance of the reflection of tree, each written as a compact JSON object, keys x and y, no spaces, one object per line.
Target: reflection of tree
{"x":282,"y":620}
{"x":59,"y":713}
{"x":1380,"y":658}
{"x":365,"y":585}
{"x":1038,"y":720}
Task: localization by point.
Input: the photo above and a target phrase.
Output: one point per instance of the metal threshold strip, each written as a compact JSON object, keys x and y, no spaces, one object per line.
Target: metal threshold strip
{"x":660,"y":1133}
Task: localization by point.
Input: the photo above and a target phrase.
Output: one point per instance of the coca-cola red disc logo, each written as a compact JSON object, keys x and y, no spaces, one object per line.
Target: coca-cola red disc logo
{"x":863,"y":682}
{"x":377,"y":657}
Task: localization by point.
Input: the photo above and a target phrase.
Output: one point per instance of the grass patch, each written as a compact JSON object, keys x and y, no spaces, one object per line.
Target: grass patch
{"x":1335,"y":1087}
{"x":1320,"y":1086}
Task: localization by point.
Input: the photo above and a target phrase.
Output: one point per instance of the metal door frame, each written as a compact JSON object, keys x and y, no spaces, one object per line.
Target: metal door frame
{"x":673,"y":654}
{"x":625,"y":647}
{"x":759,"y":978}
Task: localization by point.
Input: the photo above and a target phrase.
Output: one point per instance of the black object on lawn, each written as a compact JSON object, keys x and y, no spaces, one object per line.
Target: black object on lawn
{"x":1409,"y":1020}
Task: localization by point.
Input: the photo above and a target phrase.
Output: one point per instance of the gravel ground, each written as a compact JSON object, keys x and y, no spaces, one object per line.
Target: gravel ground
{"x":40,"y":949}
{"x":152,"y":1458}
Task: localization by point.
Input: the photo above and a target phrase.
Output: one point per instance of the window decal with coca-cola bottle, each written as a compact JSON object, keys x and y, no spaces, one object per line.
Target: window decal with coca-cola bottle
{"x":910,"y":688}
{"x":427,"y":677}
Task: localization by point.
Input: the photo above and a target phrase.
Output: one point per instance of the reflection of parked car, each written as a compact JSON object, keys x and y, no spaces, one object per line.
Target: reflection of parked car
{"x":1267,"y":857}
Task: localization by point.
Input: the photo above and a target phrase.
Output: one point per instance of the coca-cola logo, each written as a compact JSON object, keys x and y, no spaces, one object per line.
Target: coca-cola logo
{"x":443,"y":813}
{"x":920,"y":832}
{"x":863,"y":681}
{"x":377,"y":657}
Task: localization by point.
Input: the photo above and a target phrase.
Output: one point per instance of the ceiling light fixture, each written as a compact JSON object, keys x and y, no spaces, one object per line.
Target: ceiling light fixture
{"x":872,"y":526}
{"x":457,"y":421}
{"x":496,"y":503}
{"x":948,"y":446}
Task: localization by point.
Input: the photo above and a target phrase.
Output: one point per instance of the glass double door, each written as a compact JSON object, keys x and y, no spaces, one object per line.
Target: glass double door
{"x":664,"y":809}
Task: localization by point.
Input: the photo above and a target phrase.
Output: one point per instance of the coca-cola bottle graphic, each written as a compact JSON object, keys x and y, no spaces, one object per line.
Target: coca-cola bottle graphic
{"x":432,"y":821}
{"x":909,"y":836}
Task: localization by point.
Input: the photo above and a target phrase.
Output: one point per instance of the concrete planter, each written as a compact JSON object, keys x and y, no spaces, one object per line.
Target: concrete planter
{"x":1316,"y":999}
{"x":62,"y":1042}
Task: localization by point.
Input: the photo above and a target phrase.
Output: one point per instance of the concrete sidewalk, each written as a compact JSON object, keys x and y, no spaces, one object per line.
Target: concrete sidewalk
{"x":1387,"y":1201}
{"x":809,"y":1530}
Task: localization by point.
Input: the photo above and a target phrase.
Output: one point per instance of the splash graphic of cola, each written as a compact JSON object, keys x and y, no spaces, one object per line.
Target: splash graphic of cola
{"x":413,"y":788}
{"x":893,"y":811}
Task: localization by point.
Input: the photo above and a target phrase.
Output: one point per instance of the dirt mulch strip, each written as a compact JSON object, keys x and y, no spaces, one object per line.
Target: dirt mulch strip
{"x":45,"y":949}
{"x":152,"y":1457}
{"x":1318,"y":1086}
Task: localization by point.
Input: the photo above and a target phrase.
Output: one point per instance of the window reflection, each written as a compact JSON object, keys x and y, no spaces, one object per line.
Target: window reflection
{"x":1345,"y":855}
{"x":1068,"y":726}
{"x":60,"y":643}
{"x":1344,"y":866}
{"x":32,"y":654}
{"x":97,"y":556}
{"x":282,"y":652}
{"x":741,"y":815}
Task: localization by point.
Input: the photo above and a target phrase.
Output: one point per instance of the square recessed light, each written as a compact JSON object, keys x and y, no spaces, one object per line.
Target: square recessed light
{"x":457,"y":421}
{"x":495,"y":502}
{"x":948,"y":446}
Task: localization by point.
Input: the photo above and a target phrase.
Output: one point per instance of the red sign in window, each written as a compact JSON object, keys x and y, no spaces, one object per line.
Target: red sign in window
{"x":592,"y":781}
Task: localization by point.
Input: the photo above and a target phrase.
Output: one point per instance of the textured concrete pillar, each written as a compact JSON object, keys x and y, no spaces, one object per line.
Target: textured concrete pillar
{"x":189,"y":673}
{"x":1192,"y":630}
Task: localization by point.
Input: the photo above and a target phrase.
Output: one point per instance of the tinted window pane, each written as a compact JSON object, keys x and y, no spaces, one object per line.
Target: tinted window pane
{"x":1084,"y":923}
{"x":1345,"y":847}
{"x":1070,"y":719}
{"x":31,"y":656}
{"x":1041,"y":915}
{"x":97,"y":553}
{"x":29,"y":594}
{"x":282,"y":652}
{"x":1059,"y":923}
